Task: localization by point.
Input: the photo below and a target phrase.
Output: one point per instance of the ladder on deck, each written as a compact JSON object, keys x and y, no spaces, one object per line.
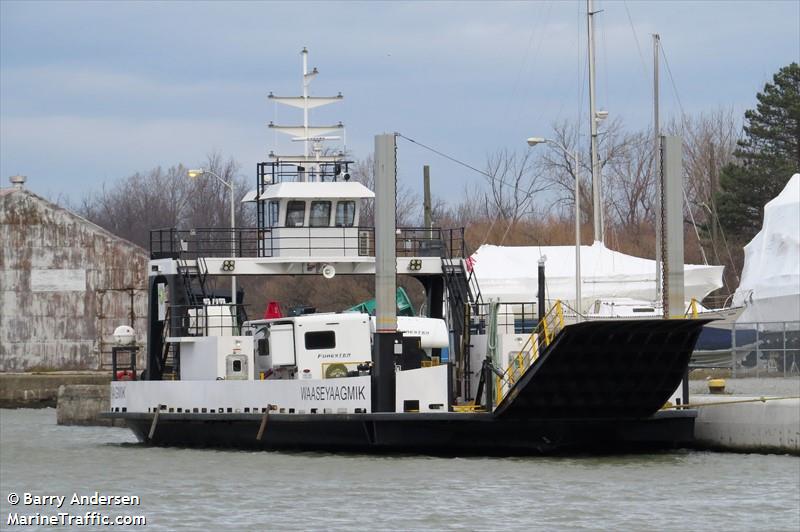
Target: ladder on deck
{"x":463,"y":300}
{"x":194,"y":274}
{"x":541,"y":338}
{"x":170,"y":355}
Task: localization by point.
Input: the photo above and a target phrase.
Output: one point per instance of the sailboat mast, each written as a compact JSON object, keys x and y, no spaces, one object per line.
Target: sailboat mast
{"x":305,"y":100}
{"x":657,"y":163}
{"x":597,"y":185}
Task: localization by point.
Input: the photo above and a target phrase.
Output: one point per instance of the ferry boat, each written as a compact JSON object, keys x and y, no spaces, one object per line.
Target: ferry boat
{"x":469,"y":377}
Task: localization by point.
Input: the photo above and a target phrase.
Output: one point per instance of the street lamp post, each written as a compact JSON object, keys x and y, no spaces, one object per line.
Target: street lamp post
{"x":533,"y":141}
{"x":202,"y":171}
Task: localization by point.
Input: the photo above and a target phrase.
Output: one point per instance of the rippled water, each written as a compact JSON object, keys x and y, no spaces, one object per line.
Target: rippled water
{"x":236,"y":490}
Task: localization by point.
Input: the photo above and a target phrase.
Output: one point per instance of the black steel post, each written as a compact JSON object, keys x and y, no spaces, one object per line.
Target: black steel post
{"x":383,"y":380}
{"x":685,"y":387}
{"x":540,"y":296}
{"x":434,"y":292}
{"x":450,"y":389}
{"x":155,"y":330}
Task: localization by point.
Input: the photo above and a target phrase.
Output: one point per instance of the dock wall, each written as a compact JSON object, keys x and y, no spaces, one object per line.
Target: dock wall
{"x":39,"y":390}
{"x":771,"y":426}
{"x":81,"y":404}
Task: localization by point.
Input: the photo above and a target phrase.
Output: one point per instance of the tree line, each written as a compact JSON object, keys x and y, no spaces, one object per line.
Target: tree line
{"x":731,"y":169}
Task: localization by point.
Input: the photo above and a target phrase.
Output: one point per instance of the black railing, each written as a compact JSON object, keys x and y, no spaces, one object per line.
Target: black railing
{"x":211,"y":319}
{"x":123,"y":369}
{"x":302,"y":241}
{"x":512,"y":317}
{"x":433,"y":242}
{"x":193,"y":243}
{"x":274,"y":172}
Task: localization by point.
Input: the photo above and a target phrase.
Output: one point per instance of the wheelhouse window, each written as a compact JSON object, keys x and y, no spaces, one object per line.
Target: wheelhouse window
{"x":320,"y":214}
{"x":345,"y":213}
{"x":295,"y":213}
{"x":320,"y":339}
{"x":274,"y":209}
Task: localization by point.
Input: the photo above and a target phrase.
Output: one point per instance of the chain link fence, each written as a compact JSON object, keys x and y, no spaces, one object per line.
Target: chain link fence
{"x":765,"y":349}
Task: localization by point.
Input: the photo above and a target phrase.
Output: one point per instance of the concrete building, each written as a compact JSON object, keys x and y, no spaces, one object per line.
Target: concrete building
{"x":65,"y":285}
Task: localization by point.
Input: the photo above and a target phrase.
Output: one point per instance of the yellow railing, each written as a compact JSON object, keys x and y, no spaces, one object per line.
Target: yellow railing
{"x":692,"y":309}
{"x":541,"y":337}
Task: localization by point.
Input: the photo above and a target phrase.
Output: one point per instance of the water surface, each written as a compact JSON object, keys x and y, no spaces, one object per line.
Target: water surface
{"x":186,"y":489}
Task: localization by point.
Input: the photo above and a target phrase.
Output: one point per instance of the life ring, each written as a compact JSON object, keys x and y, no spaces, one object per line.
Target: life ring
{"x":336,"y":371}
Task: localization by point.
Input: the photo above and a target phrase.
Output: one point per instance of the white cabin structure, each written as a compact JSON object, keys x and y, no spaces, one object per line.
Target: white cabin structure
{"x":322,"y":219}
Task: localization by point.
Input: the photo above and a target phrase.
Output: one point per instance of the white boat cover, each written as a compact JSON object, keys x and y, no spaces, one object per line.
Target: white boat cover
{"x":770,"y":285}
{"x":510,"y":274}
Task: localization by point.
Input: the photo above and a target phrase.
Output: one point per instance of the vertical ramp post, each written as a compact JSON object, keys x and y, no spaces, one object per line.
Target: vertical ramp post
{"x":387,"y":340}
{"x":672,"y":236}
{"x":672,"y":240}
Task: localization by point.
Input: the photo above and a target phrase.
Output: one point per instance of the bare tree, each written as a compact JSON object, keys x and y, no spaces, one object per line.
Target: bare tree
{"x":133,"y":206}
{"x":514,"y":183}
{"x":475,"y":205}
{"x":559,"y":166}
{"x":440,"y":212}
{"x":709,"y":142}
{"x":208,"y":204}
{"x":407,"y":203}
{"x":630,"y":182}
{"x":158,"y":199}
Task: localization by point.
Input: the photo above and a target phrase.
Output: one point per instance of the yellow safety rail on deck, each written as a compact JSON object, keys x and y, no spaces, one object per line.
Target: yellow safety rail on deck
{"x":692,"y":309}
{"x":469,"y":408}
{"x":541,"y":337}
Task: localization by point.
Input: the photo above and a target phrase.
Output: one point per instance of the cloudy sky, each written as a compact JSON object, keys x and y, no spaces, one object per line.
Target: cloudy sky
{"x":94,"y":91}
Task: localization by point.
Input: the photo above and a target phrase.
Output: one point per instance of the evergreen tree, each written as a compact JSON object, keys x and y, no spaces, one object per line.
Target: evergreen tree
{"x":767,"y":156}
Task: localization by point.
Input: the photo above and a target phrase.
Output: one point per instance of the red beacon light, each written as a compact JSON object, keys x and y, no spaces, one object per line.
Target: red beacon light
{"x":273,"y":311}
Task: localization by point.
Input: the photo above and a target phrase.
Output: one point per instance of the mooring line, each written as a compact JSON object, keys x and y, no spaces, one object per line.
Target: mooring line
{"x":737,"y":401}
{"x":154,"y":423}
{"x":263,"y":426}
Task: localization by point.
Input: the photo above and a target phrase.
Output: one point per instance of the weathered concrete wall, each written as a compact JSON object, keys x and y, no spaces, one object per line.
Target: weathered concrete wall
{"x":81,"y":404}
{"x":771,"y":426}
{"x":38,"y":390}
{"x":65,"y":285}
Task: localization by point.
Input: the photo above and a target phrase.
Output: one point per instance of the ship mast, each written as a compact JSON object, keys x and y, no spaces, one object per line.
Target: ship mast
{"x":308,"y":163}
{"x":657,"y":164}
{"x":594,"y":118}
{"x":306,"y":82}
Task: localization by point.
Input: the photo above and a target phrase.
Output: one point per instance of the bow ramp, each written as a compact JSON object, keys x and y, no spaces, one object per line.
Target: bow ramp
{"x":605,"y":369}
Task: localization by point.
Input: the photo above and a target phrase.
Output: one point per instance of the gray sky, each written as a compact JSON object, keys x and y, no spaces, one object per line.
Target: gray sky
{"x":94,"y":91}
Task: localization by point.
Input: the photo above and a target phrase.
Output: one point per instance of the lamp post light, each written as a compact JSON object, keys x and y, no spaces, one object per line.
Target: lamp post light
{"x":533,"y":141}
{"x":197,"y":172}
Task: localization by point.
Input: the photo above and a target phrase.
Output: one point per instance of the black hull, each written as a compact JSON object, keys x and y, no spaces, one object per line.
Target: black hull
{"x":437,"y":434}
{"x":597,"y":387}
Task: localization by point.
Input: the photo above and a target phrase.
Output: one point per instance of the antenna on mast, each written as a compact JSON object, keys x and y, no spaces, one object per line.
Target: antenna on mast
{"x":307,"y":133}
